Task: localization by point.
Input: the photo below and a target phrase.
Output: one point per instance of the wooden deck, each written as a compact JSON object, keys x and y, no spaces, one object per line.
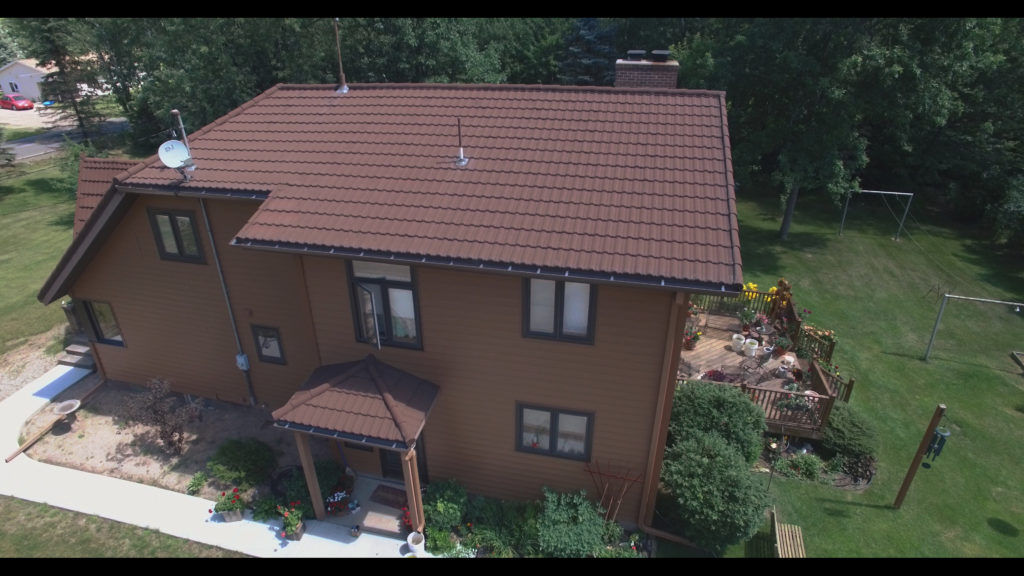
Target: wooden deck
{"x":714,"y":352}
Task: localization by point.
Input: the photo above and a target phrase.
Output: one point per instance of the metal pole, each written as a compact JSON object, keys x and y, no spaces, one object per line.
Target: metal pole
{"x":845,"y":208}
{"x":928,"y":433}
{"x":902,"y":220}
{"x":936,"y":328}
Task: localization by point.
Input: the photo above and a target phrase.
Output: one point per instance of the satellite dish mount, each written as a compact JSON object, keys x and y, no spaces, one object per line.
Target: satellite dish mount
{"x":177,"y":155}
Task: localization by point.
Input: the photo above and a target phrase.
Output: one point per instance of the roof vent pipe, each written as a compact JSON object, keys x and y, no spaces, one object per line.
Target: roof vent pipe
{"x":635,"y":55}
{"x":660,"y":55}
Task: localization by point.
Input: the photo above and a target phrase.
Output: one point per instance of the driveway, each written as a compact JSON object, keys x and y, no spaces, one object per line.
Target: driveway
{"x":53,"y":139}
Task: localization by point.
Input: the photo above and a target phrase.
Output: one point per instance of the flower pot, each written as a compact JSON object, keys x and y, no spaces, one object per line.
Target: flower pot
{"x":231,"y":515}
{"x":416,"y":542}
{"x":354,"y":531}
{"x":750,"y":347}
{"x":737,"y":342}
{"x":689,"y":344}
{"x":299,"y":531}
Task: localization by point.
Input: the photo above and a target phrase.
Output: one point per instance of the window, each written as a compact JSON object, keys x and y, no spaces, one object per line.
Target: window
{"x":385,"y":306}
{"x":103,"y":324}
{"x":268,"y":344}
{"x":14,"y":86}
{"x":560,"y":433}
{"x":559,"y":309}
{"x":176,"y":236}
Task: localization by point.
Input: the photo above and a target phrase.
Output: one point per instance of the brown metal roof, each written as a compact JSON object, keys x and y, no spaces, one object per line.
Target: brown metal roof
{"x":95,"y":178}
{"x":366,"y":400}
{"x":617,"y":181}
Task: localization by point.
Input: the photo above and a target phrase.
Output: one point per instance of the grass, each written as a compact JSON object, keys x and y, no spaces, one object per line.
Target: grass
{"x":11,"y":133}
{"x":35,"y":228}
{"x":882,"y":298}
{"x":32,"y":530}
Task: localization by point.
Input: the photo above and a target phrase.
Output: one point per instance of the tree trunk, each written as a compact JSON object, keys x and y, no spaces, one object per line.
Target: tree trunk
{"x":787,"y":218}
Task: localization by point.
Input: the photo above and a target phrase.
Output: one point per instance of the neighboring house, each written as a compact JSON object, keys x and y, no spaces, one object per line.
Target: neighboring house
{"x":23,"y":76}
{"x":511,"y":321}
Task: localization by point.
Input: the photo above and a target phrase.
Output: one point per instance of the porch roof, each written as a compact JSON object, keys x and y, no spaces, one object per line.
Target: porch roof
{"x":365,"y":401}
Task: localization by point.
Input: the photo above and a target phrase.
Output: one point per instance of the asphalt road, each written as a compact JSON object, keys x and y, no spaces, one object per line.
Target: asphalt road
{"x":51,"y":141}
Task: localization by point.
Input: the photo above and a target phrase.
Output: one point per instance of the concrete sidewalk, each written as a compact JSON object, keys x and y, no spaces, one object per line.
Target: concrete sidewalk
{"x":169,"y":512}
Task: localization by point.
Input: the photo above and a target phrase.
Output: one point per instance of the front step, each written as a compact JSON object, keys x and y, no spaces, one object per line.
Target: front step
{"x":76,"y":361}
{"x":78,"y":349}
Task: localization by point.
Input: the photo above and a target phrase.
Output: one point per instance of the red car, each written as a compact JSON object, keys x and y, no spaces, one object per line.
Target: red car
{"x":16,"y":102}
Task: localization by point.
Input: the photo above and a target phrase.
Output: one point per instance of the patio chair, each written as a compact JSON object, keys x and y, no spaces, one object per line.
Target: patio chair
{"x":758,"y":362}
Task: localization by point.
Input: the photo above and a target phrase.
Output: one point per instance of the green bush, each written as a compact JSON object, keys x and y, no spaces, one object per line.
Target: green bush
{"x":702,"y":407}
{"x":196,"y":483}
{"x":570,"y":526}
{"x":444,"y":504}
{"x":849,"y":434}
{"x":489,"y":543}
{"x":807,"y":466}
{"x":265,"y":508}
{"x":242,"y":462}
{"x":514,"y":523}
{"x":329,"y":474}
{"x":717,"y":501}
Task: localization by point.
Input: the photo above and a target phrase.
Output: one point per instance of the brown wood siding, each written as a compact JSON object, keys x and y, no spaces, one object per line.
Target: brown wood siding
{"x":474,"y":350}
{"x":173,"y":315}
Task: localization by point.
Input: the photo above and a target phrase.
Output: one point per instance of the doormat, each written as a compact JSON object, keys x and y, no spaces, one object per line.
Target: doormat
{"x":388,"y":496}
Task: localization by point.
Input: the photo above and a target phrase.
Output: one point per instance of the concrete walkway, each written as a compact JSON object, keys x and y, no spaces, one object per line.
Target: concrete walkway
{"x":169,"y":512}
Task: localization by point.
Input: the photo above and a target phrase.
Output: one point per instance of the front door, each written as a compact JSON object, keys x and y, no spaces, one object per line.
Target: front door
{"x":391,"y":462}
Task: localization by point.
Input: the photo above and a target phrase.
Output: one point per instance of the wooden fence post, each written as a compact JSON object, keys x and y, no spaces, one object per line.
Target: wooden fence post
{"x":928,"y":433}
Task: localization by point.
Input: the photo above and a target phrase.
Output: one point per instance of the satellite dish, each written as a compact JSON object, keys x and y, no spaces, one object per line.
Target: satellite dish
{"x":175,"y":155}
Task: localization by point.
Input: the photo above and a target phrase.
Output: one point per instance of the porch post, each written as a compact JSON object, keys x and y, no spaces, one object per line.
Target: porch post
{"x":309,"y":469}
{"x":411,"y":474}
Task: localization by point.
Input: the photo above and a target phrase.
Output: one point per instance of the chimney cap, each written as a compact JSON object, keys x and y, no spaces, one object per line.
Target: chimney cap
{"x":660,"y":55}
{"x":635,"y":55}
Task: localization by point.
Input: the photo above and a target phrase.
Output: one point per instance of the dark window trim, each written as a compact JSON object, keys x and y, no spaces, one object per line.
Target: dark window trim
{"x":259,"y":349}
{"x":158,"y":238}
{"x":94,"y":326}
{"x":553,"y":449}
{"x":559,"y":309}
{"x":385,"y":304}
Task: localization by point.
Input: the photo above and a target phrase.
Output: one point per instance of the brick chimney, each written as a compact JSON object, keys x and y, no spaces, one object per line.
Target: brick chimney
{"x":636,"y":71}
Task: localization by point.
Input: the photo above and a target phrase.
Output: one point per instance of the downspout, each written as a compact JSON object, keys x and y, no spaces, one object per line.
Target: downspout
{"x":659,"y":431}
{"x":241,"y":360}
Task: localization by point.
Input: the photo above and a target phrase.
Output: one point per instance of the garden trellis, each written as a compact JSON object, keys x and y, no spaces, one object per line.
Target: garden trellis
{"x":905,"y":210}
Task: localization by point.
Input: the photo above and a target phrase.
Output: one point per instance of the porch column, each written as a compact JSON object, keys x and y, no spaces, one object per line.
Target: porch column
{"x":411,"y":475}
{"x":309,"y":469}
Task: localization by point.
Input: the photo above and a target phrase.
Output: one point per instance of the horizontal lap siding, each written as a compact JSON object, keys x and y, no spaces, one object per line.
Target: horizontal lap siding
{"x":172,"y":314}
{"x":474,"y":351}
{"x":266,"y":289}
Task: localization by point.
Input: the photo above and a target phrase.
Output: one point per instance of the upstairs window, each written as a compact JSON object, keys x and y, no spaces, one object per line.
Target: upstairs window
{"x":386,"y":311}
{"x":559,"y":310}
{"x":102,"y":323}
{"x":176,"y":235}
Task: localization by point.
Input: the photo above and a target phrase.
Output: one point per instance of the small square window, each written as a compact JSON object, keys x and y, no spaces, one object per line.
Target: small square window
{"x":177,"y":237}
{"x":268,"y":344}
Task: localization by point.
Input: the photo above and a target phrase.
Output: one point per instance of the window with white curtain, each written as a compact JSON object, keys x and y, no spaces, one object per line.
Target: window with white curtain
{"x":559,"y":309}
{"x":554,"y":432}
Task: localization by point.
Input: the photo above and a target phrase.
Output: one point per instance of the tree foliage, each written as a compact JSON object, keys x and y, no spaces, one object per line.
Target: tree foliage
{"x":707,"y":408}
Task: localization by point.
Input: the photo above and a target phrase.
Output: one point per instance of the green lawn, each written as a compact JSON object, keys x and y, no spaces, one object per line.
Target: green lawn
{"x":35,"y":228}
{"x":882,"y":297}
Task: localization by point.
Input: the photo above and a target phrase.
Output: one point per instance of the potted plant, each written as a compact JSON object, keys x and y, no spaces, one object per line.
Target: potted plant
{"x":746,"y":316}
{"x":782,"y":345}
{"x":230,"y":505}
{"x":293,"y":528}
{"x":690,"y":338}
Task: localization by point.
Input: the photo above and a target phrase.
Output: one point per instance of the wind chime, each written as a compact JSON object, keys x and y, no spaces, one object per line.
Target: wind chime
{"x":939,"y":437}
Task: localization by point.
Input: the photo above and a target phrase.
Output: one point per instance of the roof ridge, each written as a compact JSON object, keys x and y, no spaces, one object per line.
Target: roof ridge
{"x":500,"y":88}
{"x":389,"y":400}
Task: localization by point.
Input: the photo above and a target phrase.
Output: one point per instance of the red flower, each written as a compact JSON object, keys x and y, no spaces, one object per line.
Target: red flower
{"x":283,"y":534}
{"x":235,"y":490}
{"x":223,"y":493}
{"x":210,"y":510}
{"x":285,"y":514}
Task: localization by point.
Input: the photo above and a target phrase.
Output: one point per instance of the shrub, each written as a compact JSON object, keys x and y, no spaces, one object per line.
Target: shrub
{"x":264,"y":508}
{"x":444,"y":504}
{"x":702,"y":407}
{"x":196,"y":483}
{"x":159,"y":407}
{"x":514,"y":523}
{"x":807,"y":466}
{"x":570,"y":526}
{"x":848,"y":433}
{"x":488,"y":542}
{"x":717,"y":501}
{"x":245,"y":462}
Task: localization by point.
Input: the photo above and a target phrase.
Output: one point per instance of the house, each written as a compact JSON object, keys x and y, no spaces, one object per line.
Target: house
{"x":480,"y":282}
{"x":24,"y":76}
